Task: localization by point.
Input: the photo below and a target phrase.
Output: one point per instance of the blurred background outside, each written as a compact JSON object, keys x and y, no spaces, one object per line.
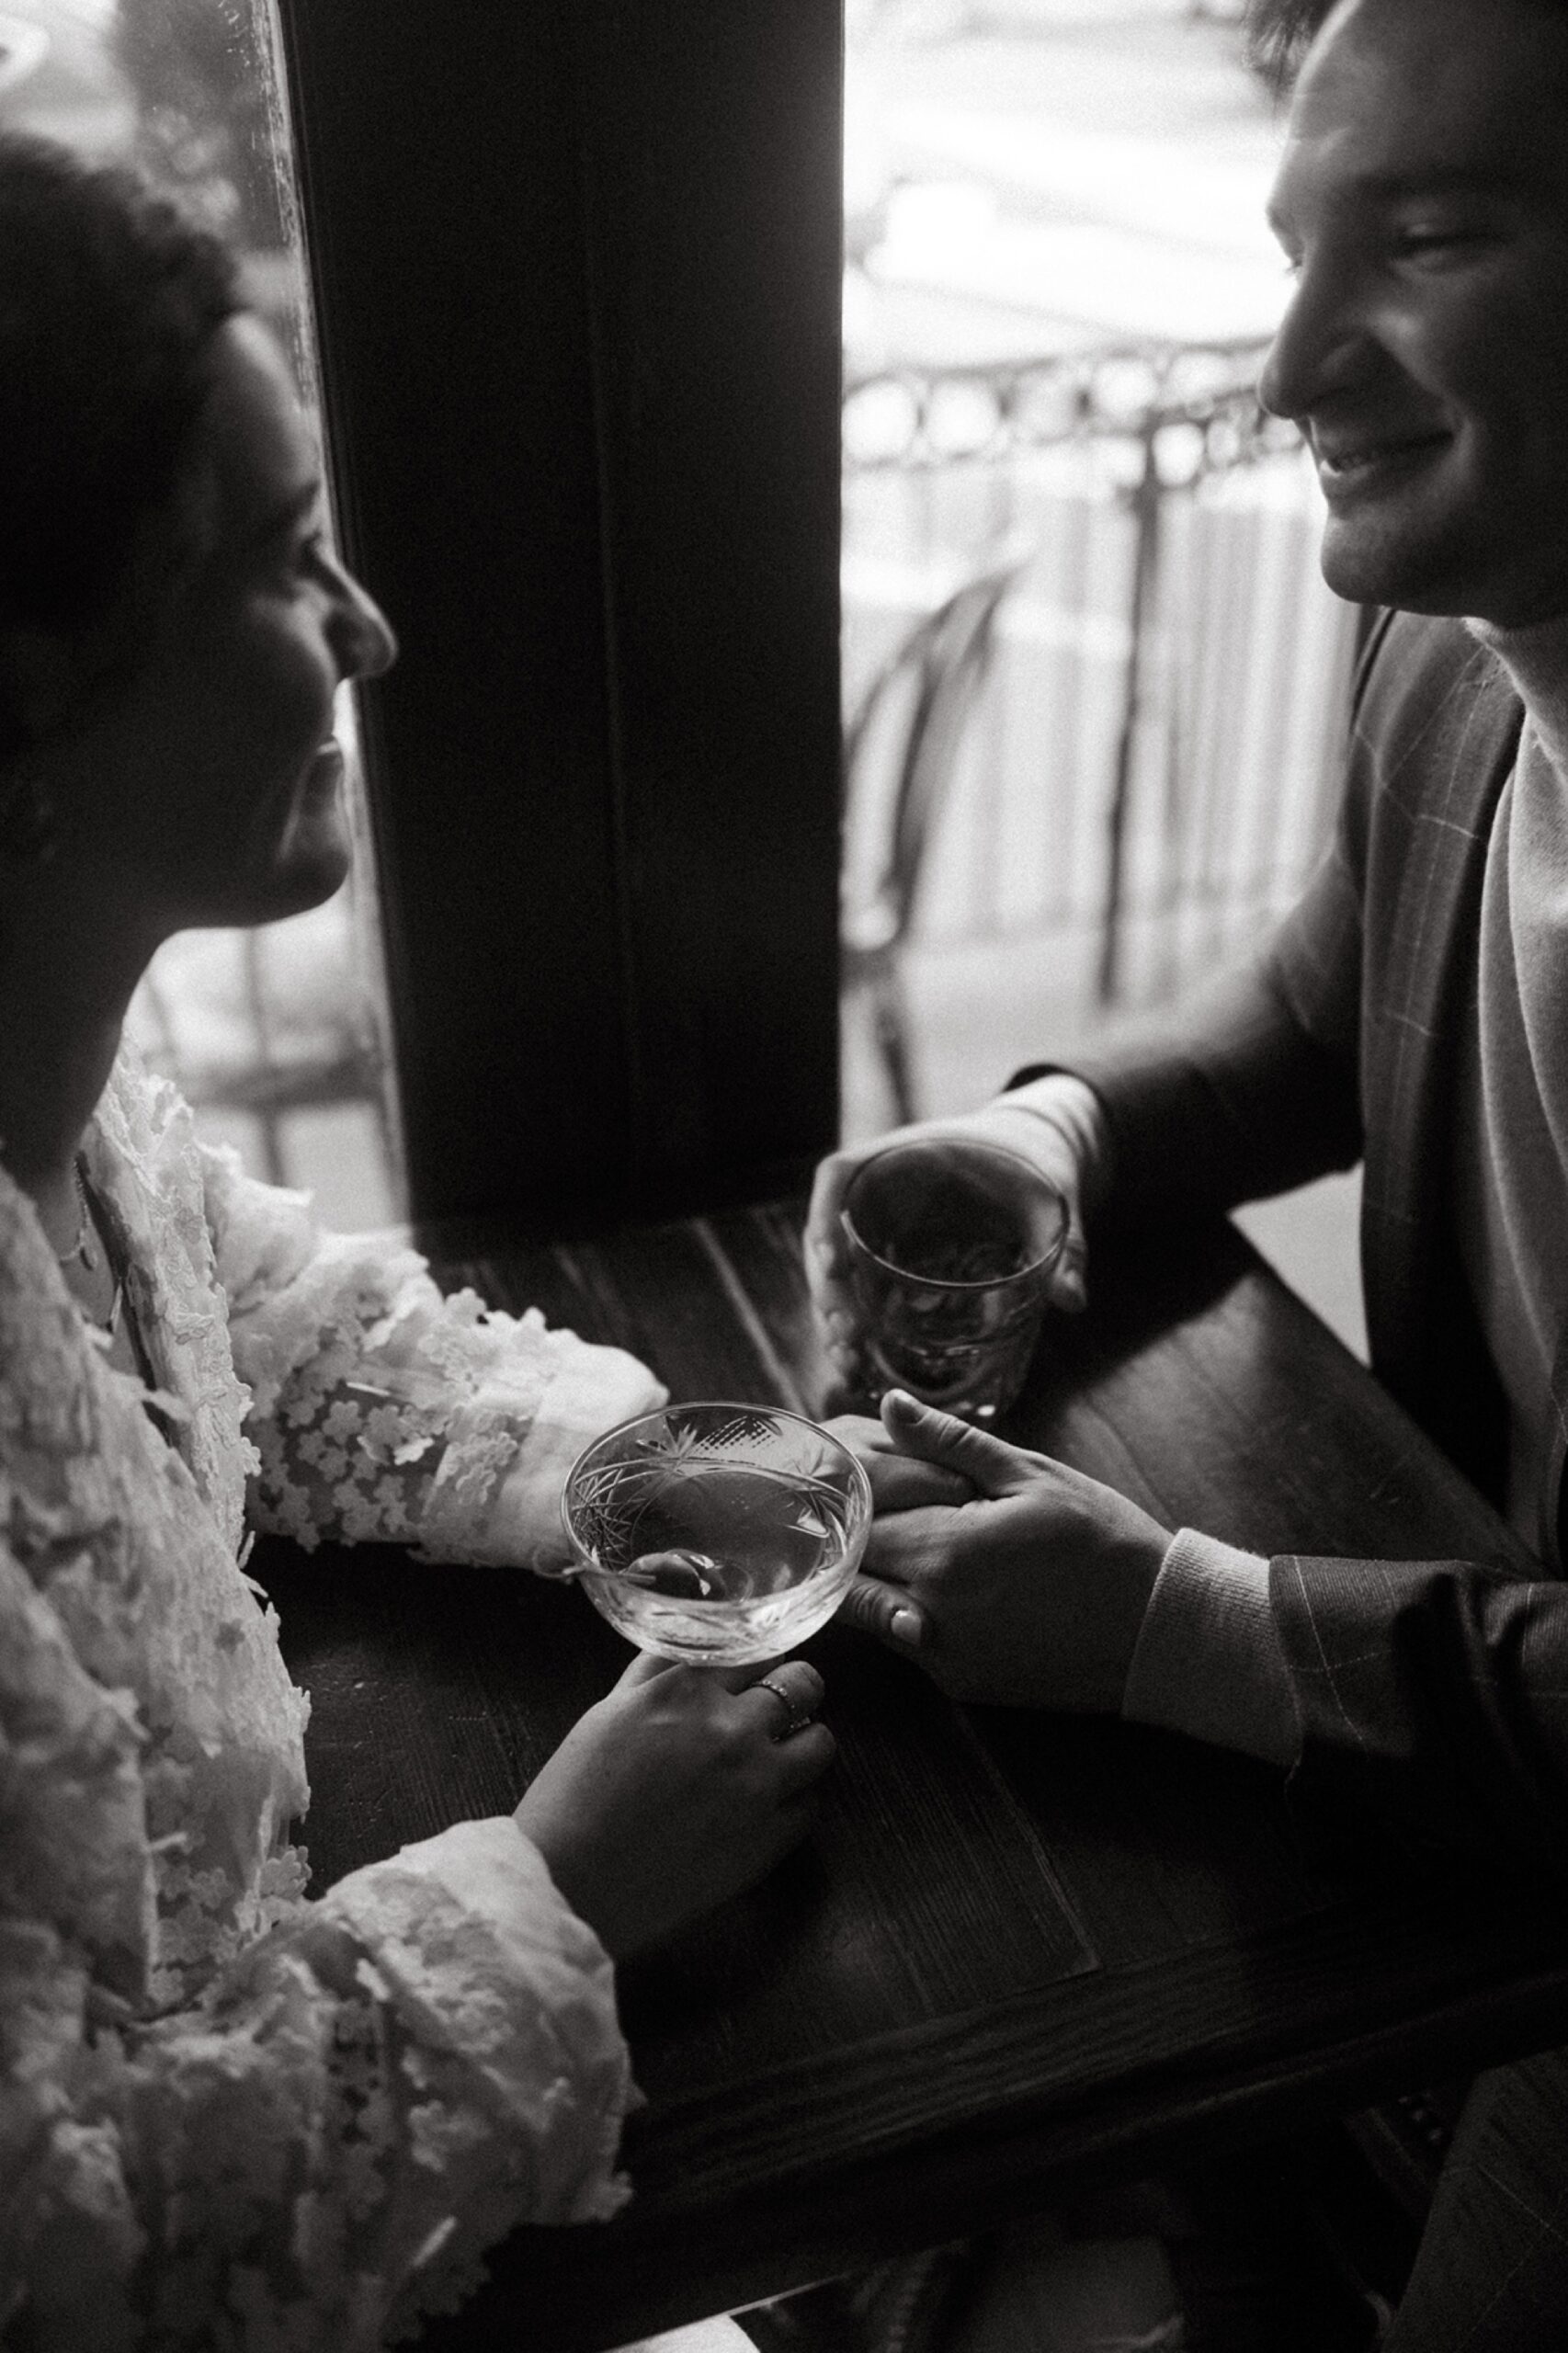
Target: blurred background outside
{"x":1094,"y":689}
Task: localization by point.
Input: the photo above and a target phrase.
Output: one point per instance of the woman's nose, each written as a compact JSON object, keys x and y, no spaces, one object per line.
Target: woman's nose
{"x":363,"y":639}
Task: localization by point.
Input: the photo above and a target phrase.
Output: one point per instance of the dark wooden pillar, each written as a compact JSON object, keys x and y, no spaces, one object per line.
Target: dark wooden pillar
{"x":577,"y":276}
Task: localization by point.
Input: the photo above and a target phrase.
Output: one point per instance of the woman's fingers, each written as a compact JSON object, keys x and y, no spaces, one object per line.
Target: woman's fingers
{"x":900,"y":1481}
{"x":792,"y":1693}
{"x":646,"y":1667}
{"x":801,"y":1761}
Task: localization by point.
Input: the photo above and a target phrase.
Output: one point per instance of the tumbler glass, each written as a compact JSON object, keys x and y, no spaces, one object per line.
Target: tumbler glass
{"x":951,"y":1245}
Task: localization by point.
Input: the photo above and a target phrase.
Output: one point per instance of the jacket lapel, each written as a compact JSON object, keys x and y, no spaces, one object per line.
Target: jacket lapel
{"x":1439,"y":731}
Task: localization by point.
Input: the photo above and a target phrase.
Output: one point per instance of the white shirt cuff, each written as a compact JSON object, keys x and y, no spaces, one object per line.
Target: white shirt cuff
{"x":1209,"y":1660}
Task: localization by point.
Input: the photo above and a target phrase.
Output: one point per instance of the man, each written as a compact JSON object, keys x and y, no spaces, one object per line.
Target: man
{"x":1414,"y":1013}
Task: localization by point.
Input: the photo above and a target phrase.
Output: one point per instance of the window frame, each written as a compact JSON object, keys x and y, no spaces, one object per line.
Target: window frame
{"x":604,"y":777}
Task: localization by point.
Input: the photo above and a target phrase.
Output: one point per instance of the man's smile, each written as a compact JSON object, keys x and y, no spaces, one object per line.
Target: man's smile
{"x":1347,"y":463}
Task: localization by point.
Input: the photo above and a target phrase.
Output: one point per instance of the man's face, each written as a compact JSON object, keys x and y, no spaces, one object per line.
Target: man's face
{"x":1423,"y":202}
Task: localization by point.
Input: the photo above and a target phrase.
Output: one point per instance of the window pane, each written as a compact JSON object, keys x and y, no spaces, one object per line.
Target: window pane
{"x":277,"y":1036}
{"x":1086,"y":649}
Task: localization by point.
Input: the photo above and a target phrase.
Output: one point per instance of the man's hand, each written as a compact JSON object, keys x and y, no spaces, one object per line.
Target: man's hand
{"x":1063,"y":1137}
{"x":900,"y":1481}
{"x":1031,"y":1595}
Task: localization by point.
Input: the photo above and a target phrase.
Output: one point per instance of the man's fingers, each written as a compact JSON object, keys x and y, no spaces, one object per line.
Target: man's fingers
{"x":1068,"y":1286}
{"x":990,"y":1465}
{"x":886,"y":1611}
{"x":824,"y":1240}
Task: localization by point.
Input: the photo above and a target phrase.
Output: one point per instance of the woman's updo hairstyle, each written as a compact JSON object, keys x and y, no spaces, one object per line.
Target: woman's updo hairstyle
{"x":108,"y":302}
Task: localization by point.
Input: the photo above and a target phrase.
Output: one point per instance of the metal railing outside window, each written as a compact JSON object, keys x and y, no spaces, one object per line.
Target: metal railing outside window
{"x":1153,"y":765}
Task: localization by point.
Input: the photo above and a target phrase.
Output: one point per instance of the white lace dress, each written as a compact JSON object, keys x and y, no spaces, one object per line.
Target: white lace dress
{"x":230,"y":2117}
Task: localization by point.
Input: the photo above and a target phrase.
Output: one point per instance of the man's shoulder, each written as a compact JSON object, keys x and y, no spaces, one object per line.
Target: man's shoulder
{"x":1433,"y":709}
{"x":1417,"y":667}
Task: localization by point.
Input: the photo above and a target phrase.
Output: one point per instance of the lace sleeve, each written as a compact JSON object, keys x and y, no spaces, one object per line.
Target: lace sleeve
{"x":382,"y":1410}
{"x":323,"y":2142}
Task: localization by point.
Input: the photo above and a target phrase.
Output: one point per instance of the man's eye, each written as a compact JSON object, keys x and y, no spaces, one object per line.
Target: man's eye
{"x":1433,"y":245}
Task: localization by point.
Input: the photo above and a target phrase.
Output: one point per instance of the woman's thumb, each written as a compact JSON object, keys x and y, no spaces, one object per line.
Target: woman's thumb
{"x":989,"y":1464}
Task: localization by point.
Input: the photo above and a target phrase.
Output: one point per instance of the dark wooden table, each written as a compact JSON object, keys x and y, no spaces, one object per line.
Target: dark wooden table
{"x":1017,"y":1952}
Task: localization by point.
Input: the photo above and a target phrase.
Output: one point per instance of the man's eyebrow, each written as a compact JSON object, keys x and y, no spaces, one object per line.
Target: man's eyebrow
{"x":1404,"y":188}
{"x":1442,"y":179}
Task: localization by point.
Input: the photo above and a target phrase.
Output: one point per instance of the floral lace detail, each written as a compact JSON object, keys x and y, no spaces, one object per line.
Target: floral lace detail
{"x":146,"y":1165}
{"x":228,"y":2115}
{"x":383,"y":1410}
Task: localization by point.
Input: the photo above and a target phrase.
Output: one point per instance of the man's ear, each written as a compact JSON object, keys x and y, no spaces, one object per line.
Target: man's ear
{"x":41,"y":681}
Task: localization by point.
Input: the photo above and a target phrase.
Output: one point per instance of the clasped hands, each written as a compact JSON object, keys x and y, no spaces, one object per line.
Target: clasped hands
{"x":1005,"y":1574}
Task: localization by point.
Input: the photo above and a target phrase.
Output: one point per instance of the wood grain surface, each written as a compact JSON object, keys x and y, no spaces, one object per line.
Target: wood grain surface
{"x":1016,"y":1951}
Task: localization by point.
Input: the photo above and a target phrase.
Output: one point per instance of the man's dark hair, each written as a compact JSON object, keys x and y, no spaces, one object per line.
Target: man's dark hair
{"x":1279,"y":32}
{"x":108,"y":302}
{"x":1278,"y":35}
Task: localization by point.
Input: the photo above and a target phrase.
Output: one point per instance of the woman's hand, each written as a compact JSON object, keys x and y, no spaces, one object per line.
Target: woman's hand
{"x":1031,"y":1595}
{"x":678,"y":1789}
{"x":1063,"y":1136}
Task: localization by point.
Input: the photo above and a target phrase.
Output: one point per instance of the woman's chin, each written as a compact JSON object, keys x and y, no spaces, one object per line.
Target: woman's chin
{"x":312,"y":873}
{"x":310,"y":867}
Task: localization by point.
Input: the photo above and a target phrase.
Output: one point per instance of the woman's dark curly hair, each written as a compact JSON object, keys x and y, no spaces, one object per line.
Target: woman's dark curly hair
{"x":108,"y":303}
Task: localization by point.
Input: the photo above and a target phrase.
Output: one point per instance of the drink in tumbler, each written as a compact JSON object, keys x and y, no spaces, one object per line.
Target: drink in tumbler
{"x":951,"y":1246}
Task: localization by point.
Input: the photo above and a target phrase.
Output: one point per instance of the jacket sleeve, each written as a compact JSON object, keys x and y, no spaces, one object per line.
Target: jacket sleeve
{"x":363,"y":2097}
{"x":1252,"y":1084}
{"x":381,"y":1409}
{"x":1432,"y":1695}
{"x":1249,"y":1088}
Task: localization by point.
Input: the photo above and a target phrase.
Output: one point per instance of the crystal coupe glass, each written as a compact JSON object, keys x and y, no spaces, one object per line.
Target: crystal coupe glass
{"x":719,"y":1534}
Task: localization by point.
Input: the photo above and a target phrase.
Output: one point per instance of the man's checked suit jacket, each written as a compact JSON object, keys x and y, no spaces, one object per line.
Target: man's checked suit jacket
{"x":1435,"y":1692}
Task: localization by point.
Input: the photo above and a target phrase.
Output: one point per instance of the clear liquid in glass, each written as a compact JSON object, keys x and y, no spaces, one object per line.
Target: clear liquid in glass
{"x":729,"y":1563}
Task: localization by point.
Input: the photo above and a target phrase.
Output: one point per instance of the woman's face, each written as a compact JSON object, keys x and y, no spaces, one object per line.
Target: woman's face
{"x":209,"y":781}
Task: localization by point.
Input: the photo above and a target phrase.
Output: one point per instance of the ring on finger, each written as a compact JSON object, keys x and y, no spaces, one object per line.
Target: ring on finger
{"x":799,"y":1718}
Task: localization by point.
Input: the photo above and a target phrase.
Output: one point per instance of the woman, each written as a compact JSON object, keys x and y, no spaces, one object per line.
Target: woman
{"x":229,"y":2116}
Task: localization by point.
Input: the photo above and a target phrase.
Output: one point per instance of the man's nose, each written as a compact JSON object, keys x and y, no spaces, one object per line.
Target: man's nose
{"x":1316,"y":347}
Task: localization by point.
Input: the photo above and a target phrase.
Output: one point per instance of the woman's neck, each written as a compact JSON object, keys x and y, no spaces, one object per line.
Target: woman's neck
{"x":63,"y":995}
{"x":1536,"y":660}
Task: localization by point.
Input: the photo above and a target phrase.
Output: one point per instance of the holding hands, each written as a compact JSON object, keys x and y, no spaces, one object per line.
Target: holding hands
{"x":1030,"y":1593}
{"x":1009,"y":1578}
